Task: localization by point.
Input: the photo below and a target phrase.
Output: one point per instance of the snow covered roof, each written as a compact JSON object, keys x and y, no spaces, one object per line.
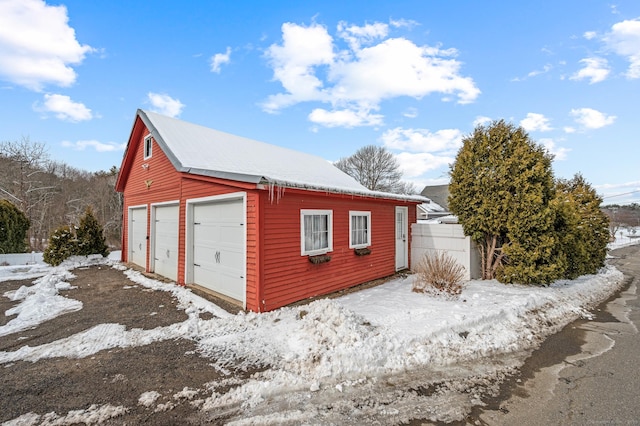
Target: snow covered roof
{"x":431,"y":207}
{"x":196,"y":149}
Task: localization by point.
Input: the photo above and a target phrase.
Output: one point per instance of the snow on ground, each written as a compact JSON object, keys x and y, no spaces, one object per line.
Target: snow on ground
{"x":95,"y":414}
{"x":330,"y":345}
{"x":22,"y":272}
{"x":625,"y":237}
{"x":40,"y":302}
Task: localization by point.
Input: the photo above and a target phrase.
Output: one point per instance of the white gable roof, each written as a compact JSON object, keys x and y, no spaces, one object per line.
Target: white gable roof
{"x":200,"y":150}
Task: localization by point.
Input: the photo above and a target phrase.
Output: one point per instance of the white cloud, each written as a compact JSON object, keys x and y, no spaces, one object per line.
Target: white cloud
{"x":417,"y":164}
{"x":535,"y":122}
{"x":624,"y":39}
{"x":619,"y":193}
{"x":591,"y":118}
{"x":357,"y":36}
{"x":410,"y":112}
{"x":544,"y":70}
{"x":64,"y":108}
{"x":37,"y":46}
{"x":569,"y":129}
{"x":398,"y":67}
{"x":403,"y":23}
{"x":371,"y":68}
{"x":589,"y":35}
{"x":294,"y":62}
{"x":165,"y":104}
{"x":219,"y":59}
{"x":96,"y":145}
{"x":534,"y":73}
{"x":481,"y":121}
{"x":422,"y":140}
{"x":595,"y":69}
{"x":559,"y":153}
{"x":345,"y":118}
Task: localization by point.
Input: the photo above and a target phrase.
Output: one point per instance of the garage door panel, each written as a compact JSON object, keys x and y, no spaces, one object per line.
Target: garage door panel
{"x":230,"y":236}
{"x":166,"y":241}
{"x":204,"y":255}
{"x":138,"y":236}
{"x":218,"y":247}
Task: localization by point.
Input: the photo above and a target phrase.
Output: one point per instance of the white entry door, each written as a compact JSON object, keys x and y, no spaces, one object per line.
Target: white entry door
{"x":165,"y":241}
{"x":402,"y":238}
{"x":138,"y":236}
{"x":219,"y":247}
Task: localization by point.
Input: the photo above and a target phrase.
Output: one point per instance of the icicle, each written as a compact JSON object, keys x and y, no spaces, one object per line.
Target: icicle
{"x":281,"y":190}
{"x":276,"y":192}
{"x":271,"y":187}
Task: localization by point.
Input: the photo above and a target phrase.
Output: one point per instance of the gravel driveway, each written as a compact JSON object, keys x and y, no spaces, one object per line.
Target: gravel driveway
{"x":106,"y":387}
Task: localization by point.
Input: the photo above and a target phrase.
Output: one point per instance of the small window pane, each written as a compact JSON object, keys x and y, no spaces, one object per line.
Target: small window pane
{"x":147,"y":147}
{"x":316,"y":232}
{"x":360,"y":223}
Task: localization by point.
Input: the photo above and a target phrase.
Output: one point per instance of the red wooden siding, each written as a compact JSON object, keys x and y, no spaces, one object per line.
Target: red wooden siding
{"x":199,"y":187}
{"x":160,"y":175}
{"x":288,"y":276}
{"x":277,"y":274}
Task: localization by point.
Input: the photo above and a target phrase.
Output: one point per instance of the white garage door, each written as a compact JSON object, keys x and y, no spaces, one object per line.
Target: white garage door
{"x":219,"y":247}
{"x":138,"y":236}
{"x":165,"y":241}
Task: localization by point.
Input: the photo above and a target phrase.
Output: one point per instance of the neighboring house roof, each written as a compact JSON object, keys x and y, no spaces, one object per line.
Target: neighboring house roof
{"x":431,"y":207}
{"x":430,"y":210}
{"x":196,"y":149}
{"x":438,"y":194}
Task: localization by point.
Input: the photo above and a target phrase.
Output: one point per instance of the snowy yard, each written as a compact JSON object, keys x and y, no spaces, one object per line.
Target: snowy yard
{"x":383,"y":354}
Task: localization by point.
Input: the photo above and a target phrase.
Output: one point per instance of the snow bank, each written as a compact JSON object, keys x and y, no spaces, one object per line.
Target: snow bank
{"x":334,"y":345}
{"x":625,"y":237}
{"x":40,"y":302}
{"x":95,"y":414}
{"x":22,"y":272}
{"x":388,"y":330}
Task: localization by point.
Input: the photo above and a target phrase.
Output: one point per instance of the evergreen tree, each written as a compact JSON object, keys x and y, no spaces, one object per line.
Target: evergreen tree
{"x":62,"y":244}
{"x":90,"y":235}
{"x":582,"y":228}
{"x":501,"y":188}
{"x":83,"y":240}
{"x":13,"y":228}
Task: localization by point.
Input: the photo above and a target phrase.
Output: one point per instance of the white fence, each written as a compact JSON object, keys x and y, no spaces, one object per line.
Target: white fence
{"x":448,"y":238}
{"x":20,"y":258}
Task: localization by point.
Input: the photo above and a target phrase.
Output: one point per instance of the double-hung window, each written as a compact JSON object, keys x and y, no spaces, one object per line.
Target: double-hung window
{"x":316,"y":231}
{"x":148,"y":143}
{"x":359,"y":229}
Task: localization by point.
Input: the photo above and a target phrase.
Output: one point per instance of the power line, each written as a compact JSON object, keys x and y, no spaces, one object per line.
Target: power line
{"x":620,"y":195}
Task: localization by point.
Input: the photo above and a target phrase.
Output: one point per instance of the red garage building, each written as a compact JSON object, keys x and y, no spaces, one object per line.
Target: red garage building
{"x":258,"y":224}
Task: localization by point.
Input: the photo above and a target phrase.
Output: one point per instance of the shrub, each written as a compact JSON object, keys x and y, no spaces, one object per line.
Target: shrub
{"x":500,"y":190}
{"x":86,"y":239}
{"x":13,"y":228}
{"x":90,"y":236}
{"x":62,"y":244}
{"x":438,"y":272}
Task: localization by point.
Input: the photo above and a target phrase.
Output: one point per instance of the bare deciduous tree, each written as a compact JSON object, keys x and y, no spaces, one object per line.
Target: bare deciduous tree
{"x":52,"y":194}
{"x":377,"y":169}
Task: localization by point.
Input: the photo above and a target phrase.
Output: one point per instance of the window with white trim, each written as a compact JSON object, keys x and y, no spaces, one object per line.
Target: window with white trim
{"x":148,"y":143}
{"x":316,"y":231}
{"x":359,"y":229}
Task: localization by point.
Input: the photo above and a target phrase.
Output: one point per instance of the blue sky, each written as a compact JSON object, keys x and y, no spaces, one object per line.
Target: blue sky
{"x":330,"y":77}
